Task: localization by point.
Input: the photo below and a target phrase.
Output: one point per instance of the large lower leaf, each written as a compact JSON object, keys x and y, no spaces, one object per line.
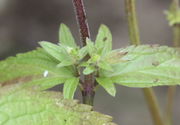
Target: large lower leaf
{"x":28,"y":107}
{"x":146,"y":66}
{"x":35,"y":66}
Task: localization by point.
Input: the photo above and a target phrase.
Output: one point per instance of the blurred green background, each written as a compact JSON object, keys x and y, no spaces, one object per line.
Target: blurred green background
{"x":25,"y":22}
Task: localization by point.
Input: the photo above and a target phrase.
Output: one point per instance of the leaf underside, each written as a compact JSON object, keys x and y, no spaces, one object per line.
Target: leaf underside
{"x":146,"y":66}
{"x":20,"y":106}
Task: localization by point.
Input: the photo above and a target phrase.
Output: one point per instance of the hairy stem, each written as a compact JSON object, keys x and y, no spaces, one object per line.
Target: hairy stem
{"x":81,"y":20}
{"x":135,"y":39}
{"x":172,"y":89}
{"x":88,"y":83}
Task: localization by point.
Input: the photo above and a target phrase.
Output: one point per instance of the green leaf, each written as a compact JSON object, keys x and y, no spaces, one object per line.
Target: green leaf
{"x":82,"y":52}
{"x":108,"y":85}
{"x":146,"y":66}
{"x":105,"y":65}
{"x":45,"y":83}
{"x":84,"y":64}
{"x":70,"y":87}
{"x":115,"y":57}
{"x":35,"y":66}
{"x":106,"y":49}
{"x":30,"y":107}
{"x":90,"y":47}
{"x":54,"y":50}
{"x":61,"y":53}
{"x":65,"y":36}
{"x":104,"y":36}
{"x":65,"y":63}
{"x":94,"y":59}
{"x":88,"y":70}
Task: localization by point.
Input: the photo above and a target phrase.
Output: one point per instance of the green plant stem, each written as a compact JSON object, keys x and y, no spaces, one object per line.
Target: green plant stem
{"x":176,"y":27}
{"x":176,"y":35}
{"x":132,"y":22}
{"x":169,"y":107}
{"x":88,"y":83}
{"x":135,"y":39}
{"x":172,"y":89}
{"x":153,"y":106}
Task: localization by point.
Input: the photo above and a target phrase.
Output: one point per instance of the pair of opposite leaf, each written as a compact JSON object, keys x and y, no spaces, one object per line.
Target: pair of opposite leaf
{"x":71,"y":56}
{"x":133,"y":66}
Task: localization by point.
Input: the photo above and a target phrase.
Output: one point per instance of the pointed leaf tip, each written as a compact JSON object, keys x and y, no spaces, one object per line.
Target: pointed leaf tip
{"x":66,"y":37}
{"x":104,"y":35}
{"x":53,"y":50}
{"x":108,"y":85}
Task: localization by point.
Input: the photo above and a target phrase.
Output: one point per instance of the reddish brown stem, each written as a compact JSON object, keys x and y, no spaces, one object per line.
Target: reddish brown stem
{"x":88,"y":83}
{"x":82,"y":20}
{"x":88,"y":92}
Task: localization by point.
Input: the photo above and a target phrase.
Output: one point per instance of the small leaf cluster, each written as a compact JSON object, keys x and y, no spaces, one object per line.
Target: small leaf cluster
{"x":70,"y":55}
